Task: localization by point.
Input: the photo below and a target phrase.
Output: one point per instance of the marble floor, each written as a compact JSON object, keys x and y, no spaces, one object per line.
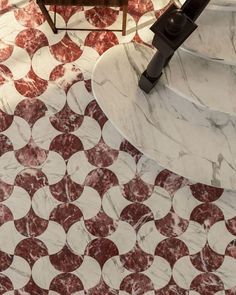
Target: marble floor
{"x":82,"y":212}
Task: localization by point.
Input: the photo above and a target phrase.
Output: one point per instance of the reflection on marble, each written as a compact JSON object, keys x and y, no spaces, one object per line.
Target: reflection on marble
{"x":229,"y":5}
{"x":223,"y":5}
{"x":215,"y":36}
{"x":187,"y":139}
{"x":202,"y":81}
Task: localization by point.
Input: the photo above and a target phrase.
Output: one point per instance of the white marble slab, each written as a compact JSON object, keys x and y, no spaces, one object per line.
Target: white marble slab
{"x":190,"y":140}
{"x":215,"y":37}
{"x":229,"y":5}
{"x":202,"y":81}
{"x":222,"y":5}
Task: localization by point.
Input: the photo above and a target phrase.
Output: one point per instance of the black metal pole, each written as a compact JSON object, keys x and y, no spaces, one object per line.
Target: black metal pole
{"x":171,"y":30}
{"x":193,"y":8}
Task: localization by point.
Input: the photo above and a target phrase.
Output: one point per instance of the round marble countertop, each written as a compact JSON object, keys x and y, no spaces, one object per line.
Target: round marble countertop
{"x":190,"y":140}
{"x":215,"y":37}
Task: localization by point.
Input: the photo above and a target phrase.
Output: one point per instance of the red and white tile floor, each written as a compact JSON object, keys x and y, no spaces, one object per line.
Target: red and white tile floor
{"x":81,"y":210}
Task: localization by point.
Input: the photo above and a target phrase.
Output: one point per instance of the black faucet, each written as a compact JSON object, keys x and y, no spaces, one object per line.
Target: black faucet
{"x":171,"y":30}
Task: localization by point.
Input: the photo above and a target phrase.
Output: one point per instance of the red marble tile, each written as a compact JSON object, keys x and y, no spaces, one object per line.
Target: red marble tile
{"x":127,"y":147}
{"x":5,"y":214}
{"x":66,"y":120}
{"x":3,"y":5}
{"x":101,"y":17}
{"x":101,"y":155}
{"x":94,"y":111}
{"x":88,"y":86}
{"x":172,"y":289}
{"x":31,"y":40}
{"x":5,"y":260}
{"x":30,"y":110}
{"x":5,"y":144}
{"x":66,"y":75}
{"x":31,"y":85}
{"x":101,"y":250}
{"x":66,"y":284}
{"x":101,"y":225}
{"x":101,"y":180}
{"x":207,"y":214}
{"x":31,"y":249}
{"x":5,"y":121}
{"x":137,"y":284}
{"x":231,"y":249}
{"x":31,"y":225}
{"x":31,"y":180}
{"x":66,"y":11}
{"x":137,"y":8}
{"x":207,"y":284}
{"x":5,"y":284}
{"x":136,"y":215}
{"x":66,"y":145}
{"x":30,"y":15}
{"x":5,"y":190}
{"x":172,"y":225}
{"x":137,"y":190}
{"x":66,"y":214}
{"x":66,"y":190}
{"x":5,"y":74}
{"x":205,"y":193}
{"x":32,"y":289}
{"x":136,"y":260}
{"x":66,"y":260}
{"x":31,"y":155}
{"x":170,"y":181}
{"x":61,"y":53}
{"x":101,"y":41}
{"x":207,"y":260}
{"x":5,"y":49}
{"x":231,"y":225}
{"x":172,"y":250}
{"x":102,"y":288}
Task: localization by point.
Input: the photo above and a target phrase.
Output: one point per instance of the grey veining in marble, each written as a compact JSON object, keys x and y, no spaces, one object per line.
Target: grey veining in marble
{"x":202,"y":81}
{"x":181,"y":136}
{"x":215,"y":37}
{"x":229,"y":5}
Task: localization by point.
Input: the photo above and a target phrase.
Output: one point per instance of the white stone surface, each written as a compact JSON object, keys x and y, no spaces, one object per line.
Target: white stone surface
{"x":202,"y":81}
{"x":215,"y":36}
{"x":190,"y":140}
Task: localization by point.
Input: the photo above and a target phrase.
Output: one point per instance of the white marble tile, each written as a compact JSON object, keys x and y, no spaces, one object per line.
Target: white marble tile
{"x":19,"y":272}
{"x":54,"y":237}
{"x":187,"y":139}
{"x":124,"y":237}
{"x":184,"y":272}
{"x":19,"y":133}
{"x":89,"y":272}
{"x":89,"y":202}
{"x":54,"y":167}
{"x":43,"y":272}
{"x":113,"y":202}
{"x":124,"y":167}
{"x":9,"y":237}
{"x":19,"y":202}
{"x":114,"y":272}
{"x":78,"y":237}
{"x":159,"y":272}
